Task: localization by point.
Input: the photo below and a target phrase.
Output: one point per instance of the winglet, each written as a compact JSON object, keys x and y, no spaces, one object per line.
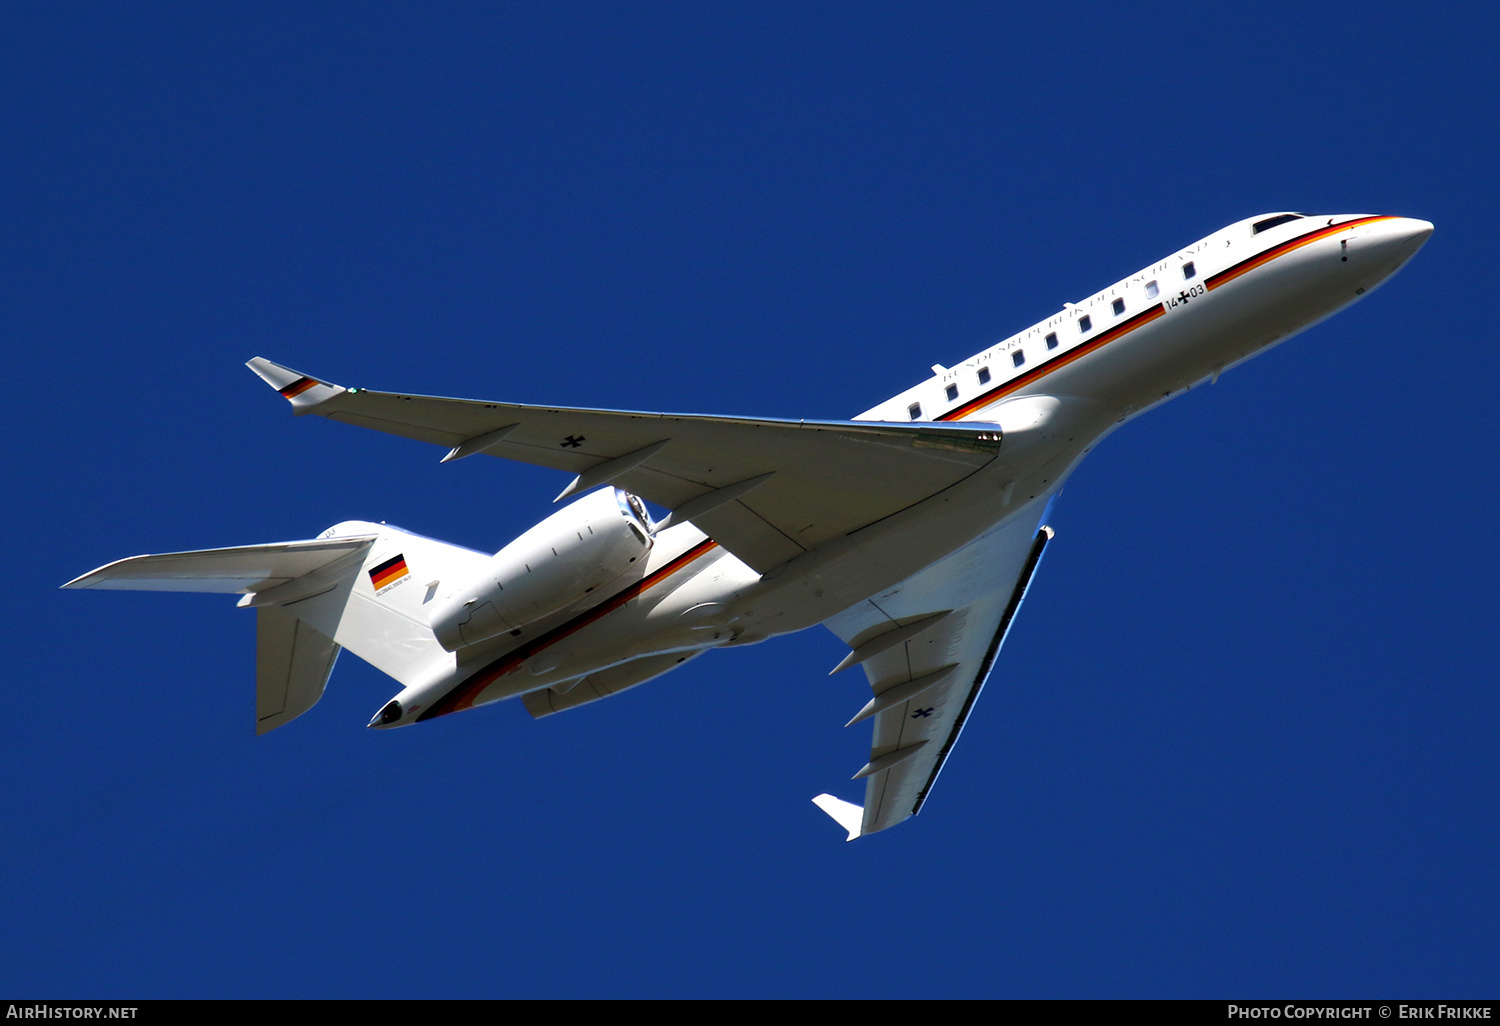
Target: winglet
{"x":301,"y":391}
{"x":846,"y":814}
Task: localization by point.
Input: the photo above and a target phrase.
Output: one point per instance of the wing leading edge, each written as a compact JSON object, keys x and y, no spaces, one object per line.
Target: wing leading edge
{"x":766,"y":490}
{"x":950,"y":622}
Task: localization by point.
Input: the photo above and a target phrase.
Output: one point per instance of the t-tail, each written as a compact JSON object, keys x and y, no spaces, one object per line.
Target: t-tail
{"x":361,"y":586}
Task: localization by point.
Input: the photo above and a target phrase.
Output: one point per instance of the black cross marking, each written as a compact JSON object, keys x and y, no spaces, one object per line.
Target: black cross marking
{"x":572,"y":441}
{"x":923,"y":712}
{"x":1183,"y":296}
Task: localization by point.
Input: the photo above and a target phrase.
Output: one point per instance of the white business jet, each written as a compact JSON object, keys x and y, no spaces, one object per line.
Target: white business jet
{"x":912,"y":532}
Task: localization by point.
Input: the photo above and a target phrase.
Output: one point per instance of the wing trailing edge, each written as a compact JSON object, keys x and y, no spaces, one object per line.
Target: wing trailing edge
{"x":767,"y":490}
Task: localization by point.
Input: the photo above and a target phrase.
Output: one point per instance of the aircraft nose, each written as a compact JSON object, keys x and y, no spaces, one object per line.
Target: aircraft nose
{"x":1402,"y":236}
{"x":1382,"y":247}
{"x":1415,"y":231}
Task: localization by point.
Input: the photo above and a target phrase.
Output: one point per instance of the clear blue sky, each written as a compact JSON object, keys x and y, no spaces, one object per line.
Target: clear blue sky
{"x":1242,"y":740}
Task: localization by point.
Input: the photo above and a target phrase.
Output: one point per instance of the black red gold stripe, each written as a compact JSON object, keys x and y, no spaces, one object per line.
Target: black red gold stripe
{"x":462,"y":697}
{"x":391,"y":570}
{"x":297,"y":387}
{"x":1041,"y":370}
{"x":1245,"y":266}
{"x":1145,"y":317}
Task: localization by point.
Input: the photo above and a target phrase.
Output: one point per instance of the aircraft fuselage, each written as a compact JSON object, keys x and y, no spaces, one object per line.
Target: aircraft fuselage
{"x":1055,"y":389}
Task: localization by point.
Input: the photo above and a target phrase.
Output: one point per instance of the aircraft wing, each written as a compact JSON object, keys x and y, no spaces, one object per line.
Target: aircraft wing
{"x":766,"y":490}
{"x":927,"y":648}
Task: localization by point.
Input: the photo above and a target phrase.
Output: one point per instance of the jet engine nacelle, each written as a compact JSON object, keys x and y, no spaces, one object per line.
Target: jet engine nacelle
{"x":561,"y":561}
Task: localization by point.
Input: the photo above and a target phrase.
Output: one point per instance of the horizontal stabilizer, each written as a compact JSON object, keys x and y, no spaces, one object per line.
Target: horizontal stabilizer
{"x":845,"y":814}
{"x":246,"y":569}
{"x":353,"y":587}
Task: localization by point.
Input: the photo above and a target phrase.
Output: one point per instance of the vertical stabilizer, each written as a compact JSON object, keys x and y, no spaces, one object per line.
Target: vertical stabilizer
{"x":380,"y":611}
{"x":361,"y":586}
{"x":292,"y":666}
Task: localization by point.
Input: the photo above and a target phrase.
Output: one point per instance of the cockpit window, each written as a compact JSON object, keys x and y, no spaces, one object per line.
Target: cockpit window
{"x":1272,"y":222}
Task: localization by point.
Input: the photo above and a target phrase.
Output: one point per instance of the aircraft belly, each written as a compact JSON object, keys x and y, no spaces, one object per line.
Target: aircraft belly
{"x":726,"y":602}
{"x":685,"y":611}
{"x":883,"y":556}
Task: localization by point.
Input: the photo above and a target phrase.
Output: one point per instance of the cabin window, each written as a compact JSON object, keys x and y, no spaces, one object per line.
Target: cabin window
{"x":1085,"y":323}
{"x":1151,"y":290}
{"x":1051,"y":340}
{"x":1018,"y":357}
{"x":952,"y":392}
{"x":1118,"y":307}
{"x":1188,"y":270}
{"x":915,"y":411}
{"x":1272,"y":222}
{"x":984,"y":375}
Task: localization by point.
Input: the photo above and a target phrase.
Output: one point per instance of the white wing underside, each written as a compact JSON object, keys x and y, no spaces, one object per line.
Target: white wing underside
{"x":768,"y":491}
{"x":981,"y":585}
{"x":815,"y":481}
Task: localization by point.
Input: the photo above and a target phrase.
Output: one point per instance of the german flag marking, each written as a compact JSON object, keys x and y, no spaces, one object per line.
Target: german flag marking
{"x":297,"y":387}
{"x":389,"y":572}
